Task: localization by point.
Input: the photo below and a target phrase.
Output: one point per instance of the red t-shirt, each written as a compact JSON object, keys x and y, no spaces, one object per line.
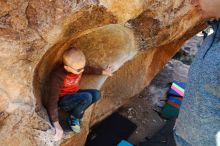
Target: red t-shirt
{"x":70,"y":84}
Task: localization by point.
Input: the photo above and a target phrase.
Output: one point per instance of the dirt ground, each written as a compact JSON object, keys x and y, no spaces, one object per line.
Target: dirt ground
{"x":141,"y":108}
{"x":140,"y":112}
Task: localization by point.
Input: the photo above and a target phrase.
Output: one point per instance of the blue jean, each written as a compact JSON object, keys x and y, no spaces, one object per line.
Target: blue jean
{"x":76,"y":104}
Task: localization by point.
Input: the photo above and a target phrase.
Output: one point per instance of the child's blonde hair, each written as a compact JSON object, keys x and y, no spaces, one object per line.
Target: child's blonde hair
{"x":73,"y":55}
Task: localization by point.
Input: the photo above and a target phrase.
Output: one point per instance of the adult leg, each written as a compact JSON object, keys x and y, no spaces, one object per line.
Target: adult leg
{"x":199,"y":121}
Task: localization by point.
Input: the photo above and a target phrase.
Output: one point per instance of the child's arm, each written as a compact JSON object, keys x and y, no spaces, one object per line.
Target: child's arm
{"x":92,"y":70}
{"x":52,"y":106}
{"x":98,"y":70}
{"x":53,"y":100}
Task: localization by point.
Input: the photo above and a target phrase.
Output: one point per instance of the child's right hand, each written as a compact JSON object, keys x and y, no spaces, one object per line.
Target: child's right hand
{"x":59,"y":131}
{"x":108,"y":71}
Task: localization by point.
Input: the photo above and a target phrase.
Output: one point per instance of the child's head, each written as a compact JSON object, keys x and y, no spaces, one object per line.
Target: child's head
{"x":74,"y":60}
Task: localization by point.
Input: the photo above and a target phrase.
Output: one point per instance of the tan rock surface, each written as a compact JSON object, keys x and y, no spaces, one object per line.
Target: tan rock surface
{"x":126,"y":34}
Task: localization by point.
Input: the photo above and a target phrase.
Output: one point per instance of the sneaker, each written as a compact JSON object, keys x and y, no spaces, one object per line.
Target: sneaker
{"x":74,"y":124}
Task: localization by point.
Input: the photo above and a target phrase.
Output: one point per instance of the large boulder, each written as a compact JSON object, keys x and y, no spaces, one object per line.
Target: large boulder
{"x":135,"y":37}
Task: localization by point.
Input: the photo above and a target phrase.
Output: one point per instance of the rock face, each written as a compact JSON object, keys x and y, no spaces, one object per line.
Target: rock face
{"x":135,"y":37}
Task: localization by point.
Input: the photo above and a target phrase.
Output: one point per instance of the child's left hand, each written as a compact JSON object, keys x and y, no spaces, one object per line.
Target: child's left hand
{"x":58,"y":131}
{"x":108,"y":71}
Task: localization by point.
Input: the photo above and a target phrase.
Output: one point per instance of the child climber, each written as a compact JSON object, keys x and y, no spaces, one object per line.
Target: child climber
{"x":66,"y":93}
